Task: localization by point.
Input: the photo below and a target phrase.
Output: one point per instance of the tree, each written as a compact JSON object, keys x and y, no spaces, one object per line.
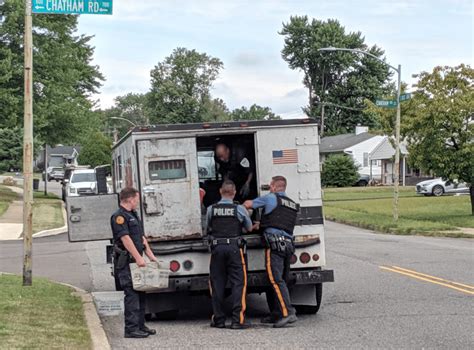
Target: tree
{"x":180,"y":86}
{"x":339,"y":170}
{"x":341,"y":78}
{"x":215,"y":111}
{"x":132,"y":107}
{"x":439,"y":126}
{"x":255,"y":112}
{"x":64,"y":77}
{"x":11,"y":149}
{"x":96,"y":150}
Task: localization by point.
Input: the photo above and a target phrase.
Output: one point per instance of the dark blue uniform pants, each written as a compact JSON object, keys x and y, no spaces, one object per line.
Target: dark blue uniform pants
{"x":134,"y":301}
{"x":277,"y":265}
{"x":228,"y":264}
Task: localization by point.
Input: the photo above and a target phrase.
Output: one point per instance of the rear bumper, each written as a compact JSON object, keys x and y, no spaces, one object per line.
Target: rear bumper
{"x":256,"y":281}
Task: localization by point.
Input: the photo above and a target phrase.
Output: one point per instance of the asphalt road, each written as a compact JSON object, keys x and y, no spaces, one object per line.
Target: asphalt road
{"x":379,"y":299}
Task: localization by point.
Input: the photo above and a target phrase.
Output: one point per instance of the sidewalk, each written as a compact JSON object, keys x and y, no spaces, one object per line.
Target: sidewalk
{"x":11,"y":222}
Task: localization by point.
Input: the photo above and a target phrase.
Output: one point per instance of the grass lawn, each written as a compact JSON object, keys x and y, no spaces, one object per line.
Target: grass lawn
{"x":417,"y":215}
{"x":6,"y":197}
{"x":47,"y":212}
{"x":44,"y":316}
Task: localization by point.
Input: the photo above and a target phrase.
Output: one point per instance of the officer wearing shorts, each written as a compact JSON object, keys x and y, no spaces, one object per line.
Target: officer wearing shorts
{"x":278,"y":221}
{"x":129,"y":245}
{"x":225,"y":221}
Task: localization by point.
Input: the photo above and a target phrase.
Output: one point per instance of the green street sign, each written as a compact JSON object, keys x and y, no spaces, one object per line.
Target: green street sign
{"x":386,"y":103}
{"x":75,"y":7}
{"x":405,"y":97}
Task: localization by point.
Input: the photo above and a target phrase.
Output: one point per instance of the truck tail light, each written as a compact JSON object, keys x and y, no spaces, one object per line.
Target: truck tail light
{"x":305,"y":258}
{"x":315,"y":257}
{"x":174,"y":266}
{"x":188,"y":265}
{"x":293,"y":259}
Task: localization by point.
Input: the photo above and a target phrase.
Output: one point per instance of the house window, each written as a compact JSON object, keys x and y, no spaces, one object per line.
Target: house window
{"x":366,"y":159}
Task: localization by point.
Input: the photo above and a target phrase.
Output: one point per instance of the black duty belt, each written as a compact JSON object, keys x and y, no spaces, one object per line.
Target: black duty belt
{"x":217,"y":241}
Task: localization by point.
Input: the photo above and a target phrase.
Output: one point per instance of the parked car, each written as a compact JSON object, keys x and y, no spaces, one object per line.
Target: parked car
{"x":82,"y":182}
{"x":362,"y":181}
{"x":54,"y":173}
{"x":438,"y":187}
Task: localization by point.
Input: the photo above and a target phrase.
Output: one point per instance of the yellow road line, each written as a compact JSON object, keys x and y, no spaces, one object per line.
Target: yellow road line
{"x":427,"y":280}
{"x":433,"y":277}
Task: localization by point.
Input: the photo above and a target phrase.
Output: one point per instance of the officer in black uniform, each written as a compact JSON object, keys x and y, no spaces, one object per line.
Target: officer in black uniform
{"x":129,"y":245}
{"x":234,"y":165}
{"x":278,"y":222}
{"x":225,"y":221}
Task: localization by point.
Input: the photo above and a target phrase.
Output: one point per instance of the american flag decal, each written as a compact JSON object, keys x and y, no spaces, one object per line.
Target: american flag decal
{"x":285,"y":156}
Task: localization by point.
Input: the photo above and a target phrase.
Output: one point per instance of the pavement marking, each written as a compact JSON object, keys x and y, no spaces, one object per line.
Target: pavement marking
{"x":432,"y":279}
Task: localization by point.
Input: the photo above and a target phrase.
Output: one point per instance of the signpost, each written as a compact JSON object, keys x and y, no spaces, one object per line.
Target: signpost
{"x":386,"y":103}
{"x":76,"y":7}
{"x":96,"y":7}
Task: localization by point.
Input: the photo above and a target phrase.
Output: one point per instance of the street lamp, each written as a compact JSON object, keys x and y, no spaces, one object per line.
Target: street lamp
{"x":397,"y":122}
{"x":120,"y":118}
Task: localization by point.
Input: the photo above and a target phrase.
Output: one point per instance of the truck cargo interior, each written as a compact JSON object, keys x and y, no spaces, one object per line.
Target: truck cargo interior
{"x":209,"y":178}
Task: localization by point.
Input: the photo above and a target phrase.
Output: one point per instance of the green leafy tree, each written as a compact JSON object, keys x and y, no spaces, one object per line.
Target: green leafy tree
{"x":64,"y":77}
{"x":180,"y":87}
{"x":215,"y":111}
{"x":255,"y":112}
{"x":11,"y":148}
{"x":339,"y":171}
{"x":338,"y":77}
{"x":439,"y":125}
{"x":96,"y":150}
{"x":132,"y":107}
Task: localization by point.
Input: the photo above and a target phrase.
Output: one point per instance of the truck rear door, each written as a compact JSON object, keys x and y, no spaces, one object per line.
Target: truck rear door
{"x":170,"y":188}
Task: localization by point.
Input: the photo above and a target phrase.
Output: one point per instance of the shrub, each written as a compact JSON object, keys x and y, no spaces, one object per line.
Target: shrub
{"x":339,"y":171}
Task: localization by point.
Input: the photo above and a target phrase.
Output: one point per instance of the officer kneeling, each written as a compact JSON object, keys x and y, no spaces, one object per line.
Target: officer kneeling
{"x":278,"y":222}
{"x":225,"y":221}
{"x":129,"y":245}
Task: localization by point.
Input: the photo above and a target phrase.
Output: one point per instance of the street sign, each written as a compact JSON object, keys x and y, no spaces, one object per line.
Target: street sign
{"x":405,"y":97}
{"x":75,"y":7}
{"x":386,"y":103}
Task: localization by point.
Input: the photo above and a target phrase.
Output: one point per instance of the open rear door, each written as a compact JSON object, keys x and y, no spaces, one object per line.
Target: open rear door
{"x":88,"y":217}
{"x":293,"y":153}
{"x":170,"y":188}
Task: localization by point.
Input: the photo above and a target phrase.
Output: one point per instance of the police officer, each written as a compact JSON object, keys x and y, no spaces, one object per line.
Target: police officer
{"x":129,"y":245}
{"x":278,"y":221}
{"x":225,"y":221}
{"x":235,"y":166}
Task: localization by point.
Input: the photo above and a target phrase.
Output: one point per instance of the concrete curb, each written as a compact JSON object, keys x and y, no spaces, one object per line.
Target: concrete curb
{"x":96,"y":330}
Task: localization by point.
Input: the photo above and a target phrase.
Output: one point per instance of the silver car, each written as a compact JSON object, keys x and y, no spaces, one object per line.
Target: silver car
{"x":438,"y":187}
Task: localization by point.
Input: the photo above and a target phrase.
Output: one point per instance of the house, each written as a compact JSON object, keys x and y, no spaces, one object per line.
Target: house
{"x":384,"y":153}
{"x":358,"y":145}
{"x":58,"y":156}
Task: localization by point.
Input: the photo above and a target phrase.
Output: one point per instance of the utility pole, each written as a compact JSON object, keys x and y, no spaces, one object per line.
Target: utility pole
{"x":28,"y":150}
{"x":45,"y":170}
{"x":396,"y":189}
{"x":322,"y":119}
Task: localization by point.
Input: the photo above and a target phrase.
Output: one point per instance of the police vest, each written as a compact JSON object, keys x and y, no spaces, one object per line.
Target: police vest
{"x":283,"y":217}
{"x":224,"y":221}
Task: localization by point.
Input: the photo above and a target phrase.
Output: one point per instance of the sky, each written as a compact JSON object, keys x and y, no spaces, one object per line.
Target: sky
{"x":418,"y":34}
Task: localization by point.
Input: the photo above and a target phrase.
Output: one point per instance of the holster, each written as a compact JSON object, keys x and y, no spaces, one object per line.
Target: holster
{"x":121,"y":257}
{"x":278,"y":243}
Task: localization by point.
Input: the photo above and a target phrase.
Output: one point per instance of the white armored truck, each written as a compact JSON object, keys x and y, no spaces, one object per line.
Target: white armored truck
{"x":171,"y":165}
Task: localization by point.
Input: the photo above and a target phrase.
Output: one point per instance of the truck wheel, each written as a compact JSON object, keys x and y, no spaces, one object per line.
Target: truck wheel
{"x":169,"y":315}
{"x":311,"y":309}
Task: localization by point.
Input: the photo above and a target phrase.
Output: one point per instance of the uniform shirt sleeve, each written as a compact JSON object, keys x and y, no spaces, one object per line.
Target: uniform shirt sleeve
{"x":119,"y":226}
{"x":244,"y":217}
{"x":269,"y":202}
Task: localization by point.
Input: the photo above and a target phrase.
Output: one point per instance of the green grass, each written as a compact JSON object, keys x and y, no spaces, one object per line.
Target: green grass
{"x":47,"y":214}
{"x":44,"y":316}
{"x":432,"y":216}
{"x":351,"y":193}
{"x":6,"y":197}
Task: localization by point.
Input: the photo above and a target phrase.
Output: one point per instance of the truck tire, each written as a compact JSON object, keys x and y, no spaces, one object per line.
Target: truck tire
{"x":311,"y":309}
{"x":169,"y":315}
